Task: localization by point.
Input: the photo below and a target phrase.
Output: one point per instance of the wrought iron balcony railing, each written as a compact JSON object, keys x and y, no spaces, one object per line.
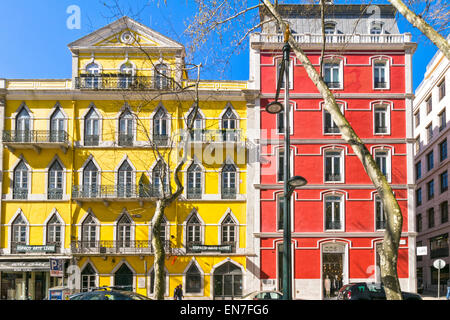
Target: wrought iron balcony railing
{"x":91,"y":140}
{"x":54,"y":194}
{"x":333,"y":85}
{"x":380,"y":85}
{"x":123,"y":82}
{"x":331,"y":129}
{"x":330,"y":177}
{"x":114,"y":192}
{"x":228,"y":193}
{"x":20,"y":193}
{"x":381,"y":224}
{"x":333,"y":225}
{"x":35,"y":136}
{"x":125,"y":139}
{"x":124,"y":246}
{"x":223,"y":135}
{"x":194,"y":193}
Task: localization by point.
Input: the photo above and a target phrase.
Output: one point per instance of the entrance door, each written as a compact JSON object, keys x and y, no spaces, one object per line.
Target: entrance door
{"x":332,"y":268}
{"x":123,"y":278}
{"x":227,"y":281}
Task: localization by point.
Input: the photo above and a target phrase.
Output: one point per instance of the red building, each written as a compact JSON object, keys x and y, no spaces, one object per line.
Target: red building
{"x":337,"y":220}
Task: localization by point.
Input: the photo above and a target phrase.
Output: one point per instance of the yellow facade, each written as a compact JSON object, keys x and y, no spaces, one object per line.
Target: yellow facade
{"x":110,"y":243}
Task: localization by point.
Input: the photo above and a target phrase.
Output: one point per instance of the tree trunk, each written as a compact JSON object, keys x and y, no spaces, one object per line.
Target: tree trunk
{"x":160,"y":254}
{"x":394,"y":219}
{"x":423,"y":26}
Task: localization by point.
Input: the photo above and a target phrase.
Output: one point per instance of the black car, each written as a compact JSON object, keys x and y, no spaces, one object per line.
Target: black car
{"x":107,"y":295}
{"x":369,"y":291}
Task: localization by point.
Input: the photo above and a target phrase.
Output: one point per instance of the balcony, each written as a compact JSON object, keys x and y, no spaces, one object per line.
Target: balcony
{"x":108,"y":193}
{"x":126,"y":140}
{"x":161,"y":140}
{"x":380,"y":85}
{"x":123,"y":82}
{"x":333,"y":177}
{"x":333,"y":85}
{"x":35,"y":139}
{"x":116,"y":247}
{"x":228,"y":193}
{"x":219,"y":136}
{"x":20,"y":193}
{"x":332,"y":130}
{"x":333,"y":225}
{"x":194,"y":193}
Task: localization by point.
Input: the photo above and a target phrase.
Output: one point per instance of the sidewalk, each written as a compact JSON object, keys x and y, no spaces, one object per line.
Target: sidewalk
{"x":429,"y":295}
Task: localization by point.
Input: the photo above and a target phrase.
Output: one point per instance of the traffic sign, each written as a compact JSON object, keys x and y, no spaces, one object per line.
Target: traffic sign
{"x":56,"y":268}
{"x":439,"y":263}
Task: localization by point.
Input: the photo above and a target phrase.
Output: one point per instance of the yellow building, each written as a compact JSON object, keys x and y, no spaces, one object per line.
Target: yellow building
{"x":80,"y":174}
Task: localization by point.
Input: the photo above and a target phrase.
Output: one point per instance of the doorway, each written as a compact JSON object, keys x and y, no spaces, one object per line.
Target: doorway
{"x":227,"y":281}
{"x":123,"y":278}
{"x":332,"y":269}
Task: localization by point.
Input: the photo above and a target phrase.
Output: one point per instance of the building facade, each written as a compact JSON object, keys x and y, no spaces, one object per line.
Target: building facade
{"x":81,"y":172}
{"x":337,"y":219}
{"x":431,"y":131}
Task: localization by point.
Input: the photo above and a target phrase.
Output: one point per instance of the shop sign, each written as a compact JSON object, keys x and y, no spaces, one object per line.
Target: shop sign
{"x":27,"y":248}
{"x":24,"y":266}
{"x":333,"y":248}
{"x":212,"y":248}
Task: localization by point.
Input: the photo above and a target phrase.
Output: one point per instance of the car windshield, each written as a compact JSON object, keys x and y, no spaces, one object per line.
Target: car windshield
{"x":375,"y":287}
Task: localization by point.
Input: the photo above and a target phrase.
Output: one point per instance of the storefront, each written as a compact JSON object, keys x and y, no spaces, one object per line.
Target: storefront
{"x":26,"y":280}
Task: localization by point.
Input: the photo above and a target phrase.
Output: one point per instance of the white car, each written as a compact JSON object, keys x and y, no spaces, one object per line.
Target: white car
{"x":264,"y":295}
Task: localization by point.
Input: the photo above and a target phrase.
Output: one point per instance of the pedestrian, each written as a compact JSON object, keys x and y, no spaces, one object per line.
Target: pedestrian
{"x":327,"y":283}
{"x":448,"y":289}
{"x":178,"y":292}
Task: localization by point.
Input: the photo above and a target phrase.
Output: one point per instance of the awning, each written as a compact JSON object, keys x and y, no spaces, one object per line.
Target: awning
{"x":18,"y":266}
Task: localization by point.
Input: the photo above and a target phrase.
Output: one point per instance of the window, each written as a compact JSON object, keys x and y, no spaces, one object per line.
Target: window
{"x":329,"y":125}
{"x":197,"y":125}
{"x":443,"y":177}
{"x":380,"y":216}
{"x":330,"y":28}
{"x":91,"y":128}
{"x":160,"y":175}
{"x":124,"y":232}
{"x":229,"y":125}
{"x":55,"y":181}
{"x":417,"y":144}
{"x":280,"y":166}
{"x":57,"y":127}
{"x":280,"y":212}
{"x":54,"y":231}
{"x":229,"y":231}
{"x":161,"y":75}
{"x":429,"y":132}
{"x":20,"y":188}
{"x":430,"y":189}
{"x":126,"y":76}
{"x":430,"y":160}
{"x":333,"y":166}
{"x":19,"y":230}
{"x":163,"y":231}
{"x":380,"y":71}
{"x":283,"y":76}
{"x":417,"y":118}
{"x":333,"y":213}
{"x":442,"y":120}
{"x":193,"y":280}
{"x":160,"y":128}
{"x":419,"y":222}
{"x":443,"y":207}
{"x":126,"y":129}
{"x":429,"y":103}
{"x":382,"y":160}
{"x":229,"y":182}
{"x":439,"y":247}
{"x":90,"y":180}
{"x":88,"y":278}
{"x":418,"y":170}
{"x":443,"y":150}
{"x":332,"y":75}
{"x":23,"y":121}
{"x":381,"y":119}
{"x":89,"y":232}
{"x":125,"y":180}
{"x":194,"y":183}
{"x":376,"y":27}
{"x":430,"y":214}
{"x":419,"y":197}
{"x":93,"y":76}
{"x":441,"y":87}
{"x":194,"y":231}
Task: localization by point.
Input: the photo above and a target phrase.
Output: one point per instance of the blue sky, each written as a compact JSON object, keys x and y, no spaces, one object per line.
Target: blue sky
{"x":35,"y":36}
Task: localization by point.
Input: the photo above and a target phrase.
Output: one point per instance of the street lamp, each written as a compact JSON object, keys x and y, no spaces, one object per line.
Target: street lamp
{"x":290,"y":183}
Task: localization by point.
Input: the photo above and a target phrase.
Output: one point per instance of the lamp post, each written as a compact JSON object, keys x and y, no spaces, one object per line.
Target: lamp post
{"x":290,"y":183}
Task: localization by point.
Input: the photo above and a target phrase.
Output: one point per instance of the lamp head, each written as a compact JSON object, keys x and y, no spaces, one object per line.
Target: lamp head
{"x":297,"y":181}
{"x":274,"y":107}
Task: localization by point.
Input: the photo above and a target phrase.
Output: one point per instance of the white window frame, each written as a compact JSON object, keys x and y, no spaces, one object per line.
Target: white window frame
{"x":387,"y":72}
{"x":388,"y":164}
{"x":278,"y":61}
{"x":340,"y":62}
{"x":387,"y":120}
{"x":341,"y":211}
{"x":341,"y":164}
{"x":379,"y":202}
{"x":333,"y":125}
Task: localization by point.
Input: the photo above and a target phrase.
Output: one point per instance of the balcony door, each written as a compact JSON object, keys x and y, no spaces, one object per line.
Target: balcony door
{"x":125,"y":181}
{"x":90,"y":180}
{"x":126,"y":129}
{"x":23,"y":121}
{"x":57,"y":127}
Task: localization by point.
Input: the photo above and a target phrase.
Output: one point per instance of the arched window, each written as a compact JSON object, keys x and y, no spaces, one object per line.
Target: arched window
{"x":160,"y":176}
{"x":54,"y":231}
{"x":334,"y":162}
{"x":55,"y":181}
{"x":229,"y":182}
{"x":334,"y":216}
{"x":161,"y":127}
{"x":123,"y":278}
{"x":161,"y":75}
{"x":23,"y":121}
{"x":194,"y":182}
{"x":90,"y":180}
{"x":381,"y":119}
{"x":227,"y":281}
{"x":229,"y":125}
{"x":89,"y":233}
{"x":126,"y":129}
{"x":229,"y":231}
{"x":88,"y":278}
{"x":57,"y":127}
{"x":193,"y":280}
{"x":91,"y":128}
{"x":126,"y":75}
{"x":20,"y":188}
{"x":193,"y":231}
{"x":92,"y":76}
{"x":124,"y":232}
{"x":19,"y":230}
{"x":125,"y":180}
{"x":197,"y":125}
{"x":332,"y":74}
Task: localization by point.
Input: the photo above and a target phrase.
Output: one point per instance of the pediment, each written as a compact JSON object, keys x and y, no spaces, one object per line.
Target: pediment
{"x":125,"y":33}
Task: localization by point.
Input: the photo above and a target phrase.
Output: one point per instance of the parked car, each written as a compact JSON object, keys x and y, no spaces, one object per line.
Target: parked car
{"x":369,"y":291}
{"x":264,"y":295}
{"x":107,"y":294}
